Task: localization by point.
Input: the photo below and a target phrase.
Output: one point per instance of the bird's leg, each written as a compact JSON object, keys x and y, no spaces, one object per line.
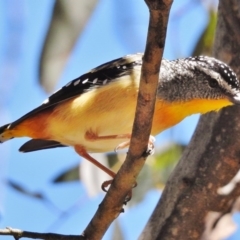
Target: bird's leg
{"x":83,"y":153}
{"x":127,"y":143}
{"x":91,"y":136}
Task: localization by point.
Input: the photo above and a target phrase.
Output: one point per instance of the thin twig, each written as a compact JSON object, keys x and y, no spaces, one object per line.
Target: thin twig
{"x":112,"y":204}
{"x":17,"y":234}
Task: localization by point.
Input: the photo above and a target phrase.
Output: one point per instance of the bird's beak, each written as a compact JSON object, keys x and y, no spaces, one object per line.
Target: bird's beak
{"x":236,"y":99}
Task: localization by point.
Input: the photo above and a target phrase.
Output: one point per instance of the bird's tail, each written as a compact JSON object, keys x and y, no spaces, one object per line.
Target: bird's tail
{"x":5,"y":133}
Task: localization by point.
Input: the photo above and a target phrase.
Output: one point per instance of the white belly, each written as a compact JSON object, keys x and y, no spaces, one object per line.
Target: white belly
{"x":106,"y":111}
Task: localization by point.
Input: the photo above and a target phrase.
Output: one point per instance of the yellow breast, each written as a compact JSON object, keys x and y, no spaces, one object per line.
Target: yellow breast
{"x":169,"y":114}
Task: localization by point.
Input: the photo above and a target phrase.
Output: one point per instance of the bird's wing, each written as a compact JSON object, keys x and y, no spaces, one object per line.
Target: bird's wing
{"x":97,"y":77}
{"x":39,"y":144}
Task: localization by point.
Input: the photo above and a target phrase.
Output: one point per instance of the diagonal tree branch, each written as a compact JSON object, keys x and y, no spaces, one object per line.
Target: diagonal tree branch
{"x":211,"y":159}
{"x":113,"y":202}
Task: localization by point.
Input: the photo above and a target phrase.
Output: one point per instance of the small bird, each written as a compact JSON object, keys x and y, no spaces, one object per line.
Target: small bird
{"x":95,"y":112}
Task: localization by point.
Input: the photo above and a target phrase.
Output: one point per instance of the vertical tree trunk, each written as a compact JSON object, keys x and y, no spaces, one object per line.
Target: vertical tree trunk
{"x":212,"y":158}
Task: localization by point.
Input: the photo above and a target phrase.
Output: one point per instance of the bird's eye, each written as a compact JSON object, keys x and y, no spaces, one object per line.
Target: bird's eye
{"x":213,"y":83}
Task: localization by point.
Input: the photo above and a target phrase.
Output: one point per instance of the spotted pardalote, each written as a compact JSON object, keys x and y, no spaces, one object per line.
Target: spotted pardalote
{"x":94,"y":112}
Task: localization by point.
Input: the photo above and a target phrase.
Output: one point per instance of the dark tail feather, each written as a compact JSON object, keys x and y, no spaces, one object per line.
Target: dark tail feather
{"x":5,"y":133}
{"x":39,"y":144}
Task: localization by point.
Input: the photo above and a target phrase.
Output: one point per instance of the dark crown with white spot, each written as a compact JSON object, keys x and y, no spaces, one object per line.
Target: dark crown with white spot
{"x":223,"y":69}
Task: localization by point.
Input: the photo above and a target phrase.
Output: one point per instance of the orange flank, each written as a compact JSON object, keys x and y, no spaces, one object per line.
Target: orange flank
{"x":33,"y":127}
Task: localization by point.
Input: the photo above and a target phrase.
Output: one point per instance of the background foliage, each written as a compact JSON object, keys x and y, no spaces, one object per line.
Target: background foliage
{"x":49,"y":190}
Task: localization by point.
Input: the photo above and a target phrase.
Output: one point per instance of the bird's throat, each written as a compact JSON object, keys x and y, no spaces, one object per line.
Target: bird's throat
{"x":169,"y":114}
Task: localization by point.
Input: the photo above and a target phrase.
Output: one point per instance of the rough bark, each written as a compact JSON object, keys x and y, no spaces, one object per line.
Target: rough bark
{"x":125,"y":179}
{"x":112,"y":205}
{"x":212,"y":158}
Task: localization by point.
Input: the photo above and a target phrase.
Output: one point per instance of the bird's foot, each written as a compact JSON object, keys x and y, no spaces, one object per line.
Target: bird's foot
{"x":150,"y":150}
{"x":106,"y":184}
{"x":122,"y":145}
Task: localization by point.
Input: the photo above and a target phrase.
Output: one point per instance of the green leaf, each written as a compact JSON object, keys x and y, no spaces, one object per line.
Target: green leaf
{"x":164,"y":161}
{"x":19,"y":188}
{"x":112,"y":159}
{"x":71,"y":174}
{"x":205,"y":42}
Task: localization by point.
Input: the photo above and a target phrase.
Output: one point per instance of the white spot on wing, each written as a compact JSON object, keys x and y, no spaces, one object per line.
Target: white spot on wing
{"x":76,"y":82}
{"x":46,"y":101}
{"x":95,"y":81}
{"x":68,"y":84}
{"x":105,"y":81}
{"x":85,"y":81}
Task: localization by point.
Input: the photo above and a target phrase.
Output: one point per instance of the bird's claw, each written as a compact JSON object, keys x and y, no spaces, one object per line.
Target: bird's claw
{"x":151,"y":148}
{"x":122,"y":145}
{"x":106,"y":184}
{"x":129,"y":195}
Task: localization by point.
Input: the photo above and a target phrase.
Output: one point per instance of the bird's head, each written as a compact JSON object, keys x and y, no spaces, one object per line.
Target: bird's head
{"x":202,"y":79}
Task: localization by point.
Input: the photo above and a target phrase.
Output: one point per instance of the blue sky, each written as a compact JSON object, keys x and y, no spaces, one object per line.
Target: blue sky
{"x":108,"y":35}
